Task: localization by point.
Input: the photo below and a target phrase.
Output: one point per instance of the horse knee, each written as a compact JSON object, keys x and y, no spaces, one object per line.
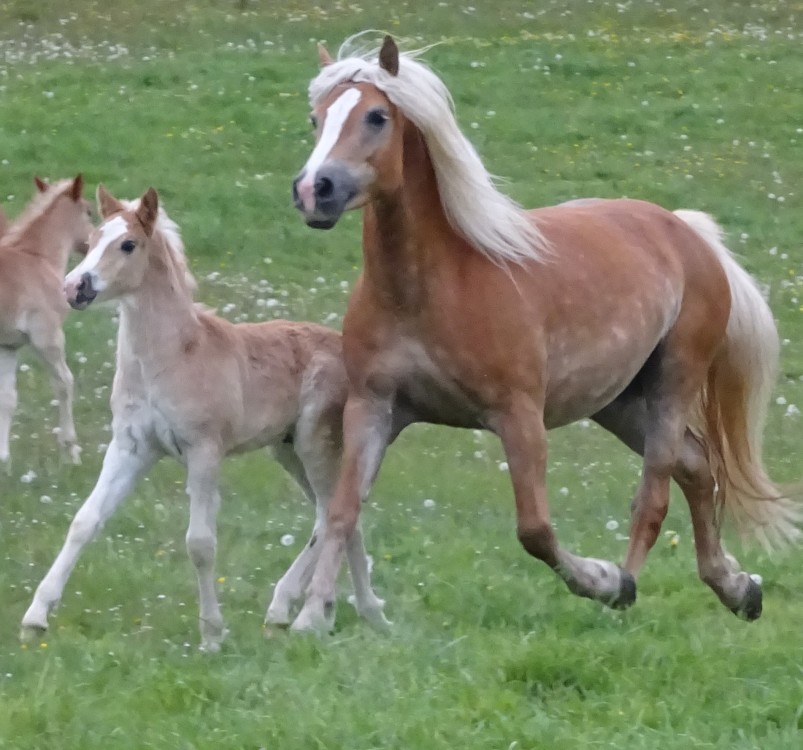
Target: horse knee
{"x":201,"y":549}
{"x":83,"y":528}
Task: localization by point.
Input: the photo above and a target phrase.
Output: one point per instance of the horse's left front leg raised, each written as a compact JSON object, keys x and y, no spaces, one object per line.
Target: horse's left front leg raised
{"x":203,"y":468}
{"x":521,"y":429}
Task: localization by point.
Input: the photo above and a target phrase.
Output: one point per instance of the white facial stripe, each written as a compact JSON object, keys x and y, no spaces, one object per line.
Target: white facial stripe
{"x":109,"y":232}
{"x":336,"y":116}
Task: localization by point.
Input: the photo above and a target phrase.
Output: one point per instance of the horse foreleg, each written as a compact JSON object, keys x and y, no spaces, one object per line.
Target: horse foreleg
{"x":367,"y":426}
{"x":122,"y":467}
{"x":521,"y":429}
{"x":203,"y":468}
{"x":8,"y":399}
{"x":51,"y":352}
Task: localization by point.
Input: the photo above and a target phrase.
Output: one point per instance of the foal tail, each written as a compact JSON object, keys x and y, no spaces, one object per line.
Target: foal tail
{"x":732,"y":408}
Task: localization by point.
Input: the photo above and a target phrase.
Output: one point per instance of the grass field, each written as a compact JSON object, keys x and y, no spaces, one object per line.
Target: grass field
{"x":686,"y":103}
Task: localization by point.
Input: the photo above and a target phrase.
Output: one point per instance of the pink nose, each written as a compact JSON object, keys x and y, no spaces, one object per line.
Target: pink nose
{"x":306,"y":194}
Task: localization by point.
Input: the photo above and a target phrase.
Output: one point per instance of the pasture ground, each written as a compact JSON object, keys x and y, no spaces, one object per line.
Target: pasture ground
{"x":690,"y":104}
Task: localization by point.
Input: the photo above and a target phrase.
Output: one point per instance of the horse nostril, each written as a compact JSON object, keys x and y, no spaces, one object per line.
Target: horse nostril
{"x":324,"y":187}
{"x":81,"y":285}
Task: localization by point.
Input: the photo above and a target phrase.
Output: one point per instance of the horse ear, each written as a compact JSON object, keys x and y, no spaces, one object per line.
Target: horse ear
{"x":148,"y":210}
{"x":389,"y":56}
{"x":107,"y":203}
{"x":41,"y":185}
{"x":77,"y":188}
{"x":324,"y":58}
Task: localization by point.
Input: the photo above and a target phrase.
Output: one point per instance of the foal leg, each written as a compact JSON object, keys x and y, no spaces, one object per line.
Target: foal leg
{"x":49,"y":345}
{"x":318,"y":437}
{"x":627,"y":419}
{"x":367,"y":430}
{"x":123,"y":465}
{"x":289,"y":589}
{"x":521,"y":429}
{"x":8,"y":399}
{"x":203,"y":468}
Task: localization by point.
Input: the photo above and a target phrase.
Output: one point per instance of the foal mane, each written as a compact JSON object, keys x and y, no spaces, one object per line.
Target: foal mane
{"x":38,"y":206}
{"x":492,"y":222}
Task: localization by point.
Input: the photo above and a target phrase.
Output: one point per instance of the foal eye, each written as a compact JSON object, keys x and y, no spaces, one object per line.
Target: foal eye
{"x":376,"y":118}
{"x":313,"y":121}
{"x":128,"y":246}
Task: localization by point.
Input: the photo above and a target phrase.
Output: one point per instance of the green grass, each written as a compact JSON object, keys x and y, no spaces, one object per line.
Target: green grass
{"x":688,"y":104}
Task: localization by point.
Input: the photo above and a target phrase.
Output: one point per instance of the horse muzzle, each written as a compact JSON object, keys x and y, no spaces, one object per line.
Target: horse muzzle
{"x":80,"y":292}
{"x":322,"y":198}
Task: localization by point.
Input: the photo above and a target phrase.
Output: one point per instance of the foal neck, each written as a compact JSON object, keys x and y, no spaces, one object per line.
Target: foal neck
{"x":158,"y":318}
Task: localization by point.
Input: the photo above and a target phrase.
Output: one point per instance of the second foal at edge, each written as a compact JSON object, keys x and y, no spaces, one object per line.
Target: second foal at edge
{"x":196,"y":387}
{"x":472,"y":312}
{"x":34,"y":250}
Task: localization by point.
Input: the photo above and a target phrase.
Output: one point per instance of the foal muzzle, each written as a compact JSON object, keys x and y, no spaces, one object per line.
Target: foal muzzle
{"x":79,"y":292}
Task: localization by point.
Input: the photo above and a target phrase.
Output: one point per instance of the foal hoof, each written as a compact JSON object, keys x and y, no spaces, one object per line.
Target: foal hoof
{"x":627,"y":591}
{"x":750,"y":607}
{"x":32,"y":633}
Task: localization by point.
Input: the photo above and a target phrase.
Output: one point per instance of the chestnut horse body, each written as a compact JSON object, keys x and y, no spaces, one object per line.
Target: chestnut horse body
{"x":473,"y":313}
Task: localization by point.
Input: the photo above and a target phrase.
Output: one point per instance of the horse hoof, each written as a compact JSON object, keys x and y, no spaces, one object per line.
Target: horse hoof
{"x":750,"y":607}
{"x":32,"y":633}
{"x":627,"y":591}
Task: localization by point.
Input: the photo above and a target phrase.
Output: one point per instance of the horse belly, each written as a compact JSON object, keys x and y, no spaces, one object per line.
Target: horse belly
{"x":585,"y":378}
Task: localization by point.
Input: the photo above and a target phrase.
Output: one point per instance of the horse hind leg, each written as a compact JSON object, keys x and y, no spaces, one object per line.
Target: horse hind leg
{"x":627,"y":418}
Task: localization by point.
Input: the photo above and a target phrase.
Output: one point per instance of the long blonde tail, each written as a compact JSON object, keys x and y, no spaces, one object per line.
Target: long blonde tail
{"x":732,"y":408}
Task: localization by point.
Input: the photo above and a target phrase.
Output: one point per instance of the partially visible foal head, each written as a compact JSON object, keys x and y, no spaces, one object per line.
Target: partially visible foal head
{"x":120,"y":250}
{"x":62,"y":205}
{"x":358,"y":152}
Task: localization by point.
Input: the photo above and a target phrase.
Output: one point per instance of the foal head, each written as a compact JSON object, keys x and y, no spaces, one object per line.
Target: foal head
{"x":358,"y":150}
{"x":118,"y":250}
{"x":67,"y":218}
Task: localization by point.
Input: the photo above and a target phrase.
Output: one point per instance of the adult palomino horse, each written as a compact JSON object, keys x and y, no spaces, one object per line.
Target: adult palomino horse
{"x":34,"y":252}
{"x":471,"y":312}
{"x":277,"y":384}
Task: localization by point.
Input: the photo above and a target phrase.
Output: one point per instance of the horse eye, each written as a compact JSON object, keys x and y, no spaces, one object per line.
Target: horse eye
{"x":313,"y":121}
{"x":376,"y":118}
{"x":128,"y":246}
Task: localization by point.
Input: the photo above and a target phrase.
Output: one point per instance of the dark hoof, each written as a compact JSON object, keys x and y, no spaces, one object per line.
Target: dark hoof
{"x":627,"y":592}
{"x":750,"y":607}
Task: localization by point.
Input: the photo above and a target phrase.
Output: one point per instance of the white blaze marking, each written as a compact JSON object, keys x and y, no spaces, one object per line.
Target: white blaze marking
{"x":336,"y":116}
{"x":109,"y":232}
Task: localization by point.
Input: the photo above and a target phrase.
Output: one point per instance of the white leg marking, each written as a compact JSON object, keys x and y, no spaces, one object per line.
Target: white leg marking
{"x":120,"y":472}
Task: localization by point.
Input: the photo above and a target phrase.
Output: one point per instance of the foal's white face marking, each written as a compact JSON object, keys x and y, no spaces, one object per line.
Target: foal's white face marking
{"x":109,"y":232}
{"x":336,"y":116}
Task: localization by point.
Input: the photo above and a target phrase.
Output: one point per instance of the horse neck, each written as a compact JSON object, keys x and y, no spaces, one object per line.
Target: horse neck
{"x":406,"y":235}
{"x":158,"y":320}
{"x":45,"y":238}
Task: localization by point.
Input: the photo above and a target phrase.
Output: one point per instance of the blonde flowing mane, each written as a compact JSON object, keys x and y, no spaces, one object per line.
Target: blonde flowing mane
{"x":40,"y":204}
{"x":492,"y":222}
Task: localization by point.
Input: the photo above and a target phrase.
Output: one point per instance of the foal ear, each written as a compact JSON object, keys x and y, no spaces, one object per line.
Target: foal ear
{"x":41,"y":185}
{"x":77,"y":188}
{"x":324,"y":58}
{"x":389,"y":56}
{"x":107,"y":203}
{"x":148,"y":210}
